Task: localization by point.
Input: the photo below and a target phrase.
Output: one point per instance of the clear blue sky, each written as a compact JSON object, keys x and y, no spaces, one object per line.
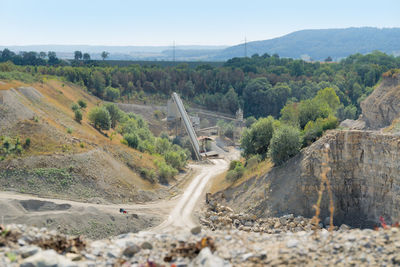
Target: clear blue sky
{"x":202,"y":22}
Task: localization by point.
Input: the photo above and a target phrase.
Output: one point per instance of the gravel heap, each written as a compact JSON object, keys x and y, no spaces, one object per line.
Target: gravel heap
{"x":218,"y":217}
{"x":27,"y":246}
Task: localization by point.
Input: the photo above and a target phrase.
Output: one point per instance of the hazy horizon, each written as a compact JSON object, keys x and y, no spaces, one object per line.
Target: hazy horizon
{"x":178,"y":45}
{"x":158,"y":23}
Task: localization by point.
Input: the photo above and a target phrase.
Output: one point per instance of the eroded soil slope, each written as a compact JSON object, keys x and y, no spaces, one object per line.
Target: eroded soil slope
{"x":66,"y":158}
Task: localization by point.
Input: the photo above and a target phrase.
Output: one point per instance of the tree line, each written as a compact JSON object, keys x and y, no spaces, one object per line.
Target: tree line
{"x":261,"y":85}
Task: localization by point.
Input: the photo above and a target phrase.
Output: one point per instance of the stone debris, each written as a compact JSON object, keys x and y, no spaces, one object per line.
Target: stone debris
{"x":227,"y":247}
{"x":218,"y":217}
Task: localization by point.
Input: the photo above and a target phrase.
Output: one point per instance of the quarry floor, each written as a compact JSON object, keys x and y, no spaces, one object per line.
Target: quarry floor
{"x":102,"y":220}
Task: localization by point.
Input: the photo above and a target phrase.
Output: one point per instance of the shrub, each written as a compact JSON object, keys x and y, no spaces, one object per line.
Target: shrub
{"x":7,"y":145}
{"x":314,"y":129}
{"x":115,"y":113}
{"x":239,"y":169}
{"x":78,"y":115}
{"x":132,"y":140}
{"x":18,"y":149}
{"x":69,"y":130}
{"x":82,"y":103}
{"x":233,"y":164}
{"x":165,"y":171}
{"x":74,"y":107}
{"x":256,"y":139}
{"x":164,"y":135}
{"x":175,"y":159}
{"x":236,"y":171}
{"x":100,"y":118}
{"x":158,"y":114}
{"x":226,"y":129}
{"x":285,"y":143}
{"x":253,"y":161}
{"x":250,"y":121}
{"x":234,"y":175}
{"x":27,"y":143}
{"x":148,"y":174}
{"x":231,"y":176}
{"x":112,"y":93}
{"x":348,"y":112}
{"x":311,"y":109}
{"x":162,"y":145}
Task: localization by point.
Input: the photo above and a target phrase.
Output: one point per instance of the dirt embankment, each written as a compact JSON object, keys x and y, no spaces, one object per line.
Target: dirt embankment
{"x":65,"y":158}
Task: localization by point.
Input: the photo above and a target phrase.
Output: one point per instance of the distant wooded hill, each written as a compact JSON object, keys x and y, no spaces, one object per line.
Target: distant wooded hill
{"x":320,"y":44}
{"x":305,"y":44}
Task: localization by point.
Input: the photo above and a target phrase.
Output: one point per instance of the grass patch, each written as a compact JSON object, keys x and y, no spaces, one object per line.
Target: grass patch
{"x":258,"y":170}
{"x":17,"y":75}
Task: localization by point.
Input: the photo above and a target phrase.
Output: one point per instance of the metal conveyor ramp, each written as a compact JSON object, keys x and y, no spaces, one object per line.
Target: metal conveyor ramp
{"x":188,"y":125}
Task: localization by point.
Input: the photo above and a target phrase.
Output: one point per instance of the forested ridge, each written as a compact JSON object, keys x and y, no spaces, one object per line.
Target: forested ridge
{"x":261,"y":85}
{"x":319,"y":44}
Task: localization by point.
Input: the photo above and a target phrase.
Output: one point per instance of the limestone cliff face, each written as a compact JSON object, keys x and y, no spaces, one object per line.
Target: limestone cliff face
{"x":364,"y":175}
{"x":383,"y":105}
{"x":364,"y":170}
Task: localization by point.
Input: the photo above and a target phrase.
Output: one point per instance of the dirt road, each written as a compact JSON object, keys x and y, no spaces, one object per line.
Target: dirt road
{"x":181,"y":216}
{"x":101,"y":220}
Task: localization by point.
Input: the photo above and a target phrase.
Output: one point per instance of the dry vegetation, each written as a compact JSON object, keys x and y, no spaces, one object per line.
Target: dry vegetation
{"x":220,"y":183}
{"x":99,"y":160}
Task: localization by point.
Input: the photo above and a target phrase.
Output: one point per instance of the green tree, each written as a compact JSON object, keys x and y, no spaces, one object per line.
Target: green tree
{"x":256,"y":139}
{"x":174,"y":159}
{"x":104,"y":55}
{"x":231,"y":101}
{"x":285,"y":143}
{"x":112,"y":93}
{"x":249,"y":121}
{"x":42,"y":55}
{"x":77,"y":55}
{"x":348,"y":112}
{"x":163,"y":145}
{"x":98,"y":82}
{"x":310,"y":110}
{"x":78,"y":115}
{"x":290,"y":114}
{"x":315,"y":129}
{"x":115,"y":113}
{"x":53,"y":60}
{"x":100,"y":118}
{"x":328,"y":96}
{"x":256,"y":97}
{"x":132,"y":140}
{"x":82,"y":103}
{"x":86,"y":57}
{"x":166,"y":172}
{"x":74,"y":106}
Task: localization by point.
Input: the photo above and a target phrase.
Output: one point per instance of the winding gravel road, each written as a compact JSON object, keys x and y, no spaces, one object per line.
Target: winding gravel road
{"x":181,"y":216}
{"x":175,"y":214}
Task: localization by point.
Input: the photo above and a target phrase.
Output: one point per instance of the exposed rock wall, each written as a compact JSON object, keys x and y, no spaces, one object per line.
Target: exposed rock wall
{"x":364,"y":175}
{"x":383,"y":105}
{"x":364,"y":170}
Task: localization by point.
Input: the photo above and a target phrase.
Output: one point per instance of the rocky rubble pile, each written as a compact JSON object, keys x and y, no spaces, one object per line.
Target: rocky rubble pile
{"x":221,"y":217}
{"x":28,"y":247}
{"x":21,"y":246}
